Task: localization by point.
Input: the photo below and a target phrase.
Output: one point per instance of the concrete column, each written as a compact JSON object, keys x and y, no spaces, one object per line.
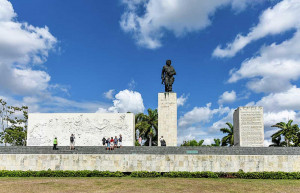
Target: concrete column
{"x":167,"y":118}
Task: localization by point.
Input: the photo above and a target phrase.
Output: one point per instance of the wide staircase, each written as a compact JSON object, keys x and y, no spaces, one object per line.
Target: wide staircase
{"x":152,"y":150}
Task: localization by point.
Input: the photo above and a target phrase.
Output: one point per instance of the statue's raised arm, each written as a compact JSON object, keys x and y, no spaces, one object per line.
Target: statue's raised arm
{"x":167,"y":76}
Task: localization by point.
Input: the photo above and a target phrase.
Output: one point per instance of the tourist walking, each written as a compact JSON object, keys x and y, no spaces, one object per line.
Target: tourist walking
{"x":120,"y":141}
{"x":55,"y":143}
{"x":103,"y":141}
{"x":72,"y":142}
{"x":140,"y":141}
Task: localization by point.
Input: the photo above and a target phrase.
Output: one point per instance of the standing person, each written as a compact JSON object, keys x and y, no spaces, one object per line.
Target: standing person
{"x":140,"y":141}
{"x":112,"y":143}
{"x":116,"y":142}
{"x":162,"y":141}
{"x":72,"y":142}
{"x":103,"y":141}
{"x":120,"y":141}
{"x":107,"y":143}
{"x":55,"y":143}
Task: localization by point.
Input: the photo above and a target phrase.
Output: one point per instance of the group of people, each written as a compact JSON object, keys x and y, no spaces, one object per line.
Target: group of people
{"x":112,"y":143}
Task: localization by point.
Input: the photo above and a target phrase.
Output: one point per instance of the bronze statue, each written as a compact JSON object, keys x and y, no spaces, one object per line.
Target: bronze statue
{"x":167,"y":76}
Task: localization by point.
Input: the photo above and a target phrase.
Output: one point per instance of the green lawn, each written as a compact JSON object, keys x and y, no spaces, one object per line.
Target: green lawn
{"x":128,"y":184}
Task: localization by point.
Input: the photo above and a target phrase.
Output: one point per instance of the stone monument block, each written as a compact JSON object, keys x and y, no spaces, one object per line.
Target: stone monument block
{"x":167,"y":117}
{"x":89,"y":128}
{"x":248,"y":127}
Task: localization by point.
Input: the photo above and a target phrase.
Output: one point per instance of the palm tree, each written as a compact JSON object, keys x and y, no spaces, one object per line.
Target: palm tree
{"x":200,"y":143}
{"x":217,"y":142}
{"x":147,"y":125}
{"x":287,"y":130}
{"x":228,"y":139}
{"x":276,"y":142}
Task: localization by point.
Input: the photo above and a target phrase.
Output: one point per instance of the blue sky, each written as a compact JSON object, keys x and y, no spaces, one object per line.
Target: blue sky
{"x":107,"y":56}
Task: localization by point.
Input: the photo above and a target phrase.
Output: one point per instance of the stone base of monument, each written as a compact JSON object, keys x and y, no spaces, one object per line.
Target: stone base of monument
{"x":248,"y":127}
{"x":167,"y":118}
{"x":88,"y":128}
{"x":159,"y":159}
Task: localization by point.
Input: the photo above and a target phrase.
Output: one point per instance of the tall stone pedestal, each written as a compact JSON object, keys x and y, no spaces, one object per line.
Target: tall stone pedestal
{"x":248,"y":127}
{"x":167,"y":118}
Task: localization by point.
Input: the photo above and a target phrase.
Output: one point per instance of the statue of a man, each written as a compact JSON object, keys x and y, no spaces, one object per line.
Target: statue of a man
{"x":167,"y":76}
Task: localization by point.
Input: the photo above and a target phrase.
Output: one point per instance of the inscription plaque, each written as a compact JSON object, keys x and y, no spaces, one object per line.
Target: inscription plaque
{"x":248,"y":127}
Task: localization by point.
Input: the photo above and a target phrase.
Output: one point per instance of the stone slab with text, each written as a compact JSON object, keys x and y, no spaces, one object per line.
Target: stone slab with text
{"x":248,"y":127}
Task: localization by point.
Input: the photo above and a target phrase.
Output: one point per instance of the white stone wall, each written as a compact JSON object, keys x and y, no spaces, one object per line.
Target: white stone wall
{"x":89,"y":128}
{"x":167,"y":118}
{"x":248,"y":126}
{"x":150,"y":162}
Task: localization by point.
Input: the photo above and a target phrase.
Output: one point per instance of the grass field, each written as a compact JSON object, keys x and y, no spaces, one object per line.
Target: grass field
{"x":106,"y":185}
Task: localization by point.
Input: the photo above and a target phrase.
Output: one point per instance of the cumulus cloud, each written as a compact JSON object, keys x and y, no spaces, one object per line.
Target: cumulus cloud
{"x":21,"y":46}
{"x":271,"y":118}
{"x":200,"y":115}
{"x":182,"y":100}
{"x":125,"y":101}
{"x":287,"y":100}
{"x":275,"y":20}
{"x":109,"y":94}
{"x":227,"y":97}
{"x":273,"y":69}
{"x":177,"y":16}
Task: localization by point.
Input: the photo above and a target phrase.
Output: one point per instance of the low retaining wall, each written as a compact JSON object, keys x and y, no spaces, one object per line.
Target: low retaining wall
{"x":150,"y":162}
{"x":159,"y":159}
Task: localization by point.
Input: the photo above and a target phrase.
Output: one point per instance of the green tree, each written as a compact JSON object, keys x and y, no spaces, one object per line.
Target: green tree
{"x":192,"y":143}
{"x":147,"y":126}
{"x":229,"y":138}
{"x":217,"y":143}
{"x":13,"y":124}
{"x":276,"y":142}
{"x":288,"y":130}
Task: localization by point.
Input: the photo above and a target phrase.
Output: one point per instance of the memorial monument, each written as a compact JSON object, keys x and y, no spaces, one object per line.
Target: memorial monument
{"x":167,"y":107}
{"x":89,"y":128}
{"x":248,"y":127}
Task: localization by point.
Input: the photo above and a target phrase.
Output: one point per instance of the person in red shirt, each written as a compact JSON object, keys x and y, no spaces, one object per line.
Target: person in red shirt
{"x":112,"y":143}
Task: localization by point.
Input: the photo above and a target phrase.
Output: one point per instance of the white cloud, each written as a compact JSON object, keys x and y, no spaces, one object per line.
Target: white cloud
{"x":6,"y":11}
{"x":22,"y":45}
{"x":216,"y":126}
{"x":267,"y":143}
{"x":280,"y":18}
{"x":182,"y":100}
{"x":125,"y":101}
{"x":177,"y":16}
{"x":109,"y":94}
{"x":273,"y":69}
{"x":287,"y":100}
{"x":200,"y":115}
{"x":227,"y":97}
{"x":271,"y":118}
